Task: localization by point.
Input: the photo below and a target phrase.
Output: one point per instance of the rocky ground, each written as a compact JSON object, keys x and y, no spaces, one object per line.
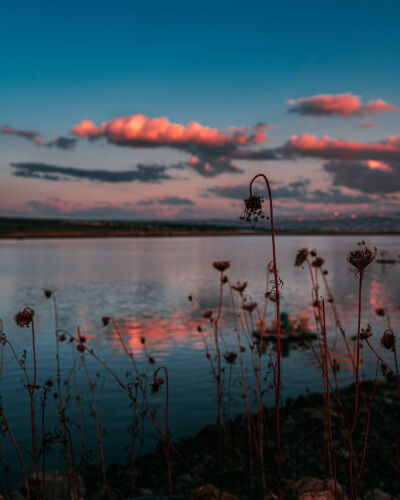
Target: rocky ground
{"x":304,"y":457}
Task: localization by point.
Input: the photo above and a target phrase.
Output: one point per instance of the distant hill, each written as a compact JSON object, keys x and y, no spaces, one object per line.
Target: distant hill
{"x":14,"y":227}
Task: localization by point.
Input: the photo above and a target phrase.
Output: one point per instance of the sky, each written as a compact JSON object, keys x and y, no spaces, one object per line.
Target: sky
{"x":166,"y":110}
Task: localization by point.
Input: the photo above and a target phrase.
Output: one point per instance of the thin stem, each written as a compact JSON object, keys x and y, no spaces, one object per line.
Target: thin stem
{"x":278,"y":333}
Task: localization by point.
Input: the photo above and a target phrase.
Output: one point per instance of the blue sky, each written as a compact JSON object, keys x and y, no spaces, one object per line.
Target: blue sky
{"x":217,"y":63}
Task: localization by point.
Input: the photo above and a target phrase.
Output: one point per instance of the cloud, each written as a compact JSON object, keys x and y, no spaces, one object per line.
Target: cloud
{"x":375,"y":177}
{"x":298,"y":191}
{"x":343,"y":105}
{"x":295,"y":189}
{"x":34,"y":136}
{"x":143,"y":173}
{"x":58,"y":142}
{"x":30,"y":135}
{"x":211,"y":149}
{"x":308,"y":145}
{"x":175,"y":200}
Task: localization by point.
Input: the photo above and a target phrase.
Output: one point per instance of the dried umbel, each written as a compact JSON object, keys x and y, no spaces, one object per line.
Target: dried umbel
{"x":253,"y":211}
{"x":361,"y":258}
{"x":230,"y":357}
{"x":25,"y":317}
{"x":301,"y":257}
{"x":249,"y":306}
{"x":366,"y":333}
{"x":207,"y":313}
{"x":318,"y":262}
{"x":221,"y":265}
{"x":157,"y":383}
{"x":239,"y":287}
{"x":388,"y":340}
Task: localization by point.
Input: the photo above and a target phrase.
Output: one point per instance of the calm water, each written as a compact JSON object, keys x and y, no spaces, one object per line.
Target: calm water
{"x":144,"y":284}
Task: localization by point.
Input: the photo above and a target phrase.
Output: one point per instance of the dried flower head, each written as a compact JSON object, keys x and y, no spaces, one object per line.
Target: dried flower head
{"x":221,"y":265}
{"x":362,"y":257}
{"x":48,"y":293}
{"x":301,"y":257}
{"x":151,"y":361}
{"x":253,"y":209}
{"x":25,"y":317}
{"x":105,"y":320}
{"x":388,"y":340}
{"x":81,"y":347}
{"x":313,"y":253}
{"x":380,"y":311}
{"x":249,"y":306}
{"x":242,"y":348}
{"x":62,"y":337}
{"x":366,"y":333}
{"x":157,"y":383}
{"x":207,"y":313}
{"x":82,"y":339}
{"x":318,"y":262}
{"x":239,"y":287}
{"x":230,"y":357}
{"x":190,"y":298}
{"x":142,"y":340}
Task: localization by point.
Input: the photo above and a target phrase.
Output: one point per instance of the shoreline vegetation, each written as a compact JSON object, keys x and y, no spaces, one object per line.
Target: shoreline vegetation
{"x":29,"y":228}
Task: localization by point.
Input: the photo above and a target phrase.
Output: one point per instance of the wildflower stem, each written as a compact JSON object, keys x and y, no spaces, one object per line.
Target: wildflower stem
{"x":278,"y":333}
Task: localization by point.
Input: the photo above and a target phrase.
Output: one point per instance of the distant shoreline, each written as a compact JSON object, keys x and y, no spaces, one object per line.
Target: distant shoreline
{"x":177,"y":234}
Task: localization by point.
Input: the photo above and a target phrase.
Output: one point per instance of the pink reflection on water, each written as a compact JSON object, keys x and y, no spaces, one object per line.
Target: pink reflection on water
{"x":161,"y":334}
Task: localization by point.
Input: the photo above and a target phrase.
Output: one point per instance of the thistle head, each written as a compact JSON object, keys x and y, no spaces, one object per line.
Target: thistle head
{"x":253,"y":211}
{"x":361,"y":258}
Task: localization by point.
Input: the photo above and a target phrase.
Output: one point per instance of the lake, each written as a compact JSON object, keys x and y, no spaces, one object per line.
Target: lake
{"x":144,"y":283}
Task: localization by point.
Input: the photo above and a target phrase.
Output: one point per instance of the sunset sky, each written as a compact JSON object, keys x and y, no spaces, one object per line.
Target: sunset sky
{"x":144,"y":110}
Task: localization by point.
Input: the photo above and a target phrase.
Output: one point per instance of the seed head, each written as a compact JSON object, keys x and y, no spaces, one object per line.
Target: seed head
{"x":157,"y":383}
{"x":48,"y":293}
{"x":62,"y":337}
{"x":318,"y":262}
{"x":221,"y":265}
{"x":253,"y":209}
{"x":207,"y":313}
{"x":380,"y":311}
{"x":25,"y":317}
{"x":105,"y":320}
{"x":388,"y":340}
{"x":230,"y":357}
{"x":362,"y":257}
{"x":301,"y":257}
{"x":81,"y":347}
{"x":249,"y":306}
{"x":366,"y":333}
{"x":239,"y":287}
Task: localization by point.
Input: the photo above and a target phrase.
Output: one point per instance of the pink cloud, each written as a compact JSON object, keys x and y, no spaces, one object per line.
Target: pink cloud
{"x":380,"y":106}
{"x":139,"y":130}
{"x":310,"y":145}
{"x":378,"y":165}
{"x":344,"y":105}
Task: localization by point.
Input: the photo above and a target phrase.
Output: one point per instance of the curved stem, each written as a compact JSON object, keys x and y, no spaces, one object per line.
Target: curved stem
{"x":278,"y":332}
